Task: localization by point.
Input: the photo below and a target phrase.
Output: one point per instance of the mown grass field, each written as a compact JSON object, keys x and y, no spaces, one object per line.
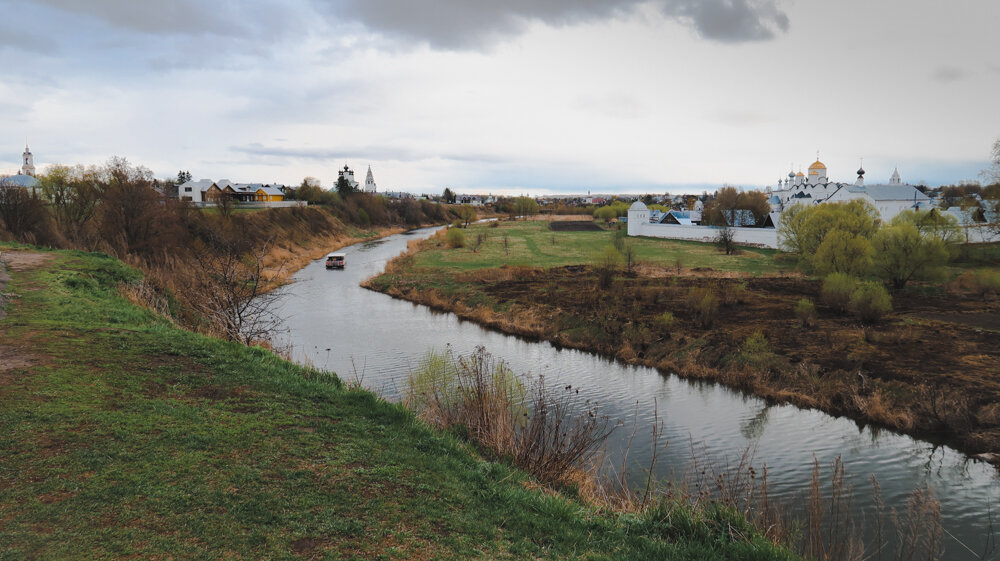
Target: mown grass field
{"x":124,"y":437}
{"x":533,"y":244}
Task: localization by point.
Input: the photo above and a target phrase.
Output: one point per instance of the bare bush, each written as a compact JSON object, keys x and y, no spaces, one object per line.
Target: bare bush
{"x":231,"y":287}
{"x":477,"y":241}
{"x":704,"y":304}
{"x":725,"y":240}
{"x":805,"y":311}
{"x":608,"y":263}
{"x":506,"y":413}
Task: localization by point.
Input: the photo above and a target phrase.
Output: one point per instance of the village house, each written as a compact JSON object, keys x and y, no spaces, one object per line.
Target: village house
{"x":206,"y":191}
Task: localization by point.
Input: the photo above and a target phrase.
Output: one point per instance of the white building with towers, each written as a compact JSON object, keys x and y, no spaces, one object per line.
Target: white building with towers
{"x":25,"y":176}
{"x":348,"y":174}
{"x":888,"y":198}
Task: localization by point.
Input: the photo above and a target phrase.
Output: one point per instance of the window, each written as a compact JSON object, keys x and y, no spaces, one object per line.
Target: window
{"x":187,"y":189}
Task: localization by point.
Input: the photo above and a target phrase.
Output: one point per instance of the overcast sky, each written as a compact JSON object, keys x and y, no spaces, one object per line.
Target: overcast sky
{"x":528,"y":96}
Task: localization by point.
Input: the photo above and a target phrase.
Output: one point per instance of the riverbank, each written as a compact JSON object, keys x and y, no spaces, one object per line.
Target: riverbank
{"x":124,"y":436}
{"x":929,"y":369}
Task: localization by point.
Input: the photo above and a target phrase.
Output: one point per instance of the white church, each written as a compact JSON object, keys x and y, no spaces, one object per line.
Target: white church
{"x":348,"y":174}
{"x":888,"y":198}
{"x":26,"y":177}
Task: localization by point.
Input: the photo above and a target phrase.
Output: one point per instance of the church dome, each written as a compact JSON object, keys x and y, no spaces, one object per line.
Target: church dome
{"x":817,"y":165}
{"x":800,"y":174}
{"x":791,"y":174}
{"x":638,"y":206}
{"x":861,"y":171}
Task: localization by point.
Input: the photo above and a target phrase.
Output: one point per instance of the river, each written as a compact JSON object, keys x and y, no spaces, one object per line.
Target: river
{"x":334,"y":324}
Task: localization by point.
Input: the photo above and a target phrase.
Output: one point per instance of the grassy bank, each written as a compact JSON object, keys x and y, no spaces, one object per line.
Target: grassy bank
{"x":931,"y":367}
{"x":122,"y":436}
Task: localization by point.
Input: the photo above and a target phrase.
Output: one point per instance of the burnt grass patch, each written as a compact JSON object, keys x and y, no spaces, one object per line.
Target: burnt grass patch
{"x":574,"y":226}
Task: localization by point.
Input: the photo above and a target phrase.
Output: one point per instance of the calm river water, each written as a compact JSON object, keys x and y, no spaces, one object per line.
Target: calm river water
{"x":336,"y":325}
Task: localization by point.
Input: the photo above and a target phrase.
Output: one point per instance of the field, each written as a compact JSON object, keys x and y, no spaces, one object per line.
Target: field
{"x":124,"y":437}
{"x":534,"y":244}
{"x":931,"y":367}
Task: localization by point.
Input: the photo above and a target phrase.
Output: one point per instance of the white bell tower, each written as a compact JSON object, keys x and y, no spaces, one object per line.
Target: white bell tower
{"x":28,"y":167}
{"x":369,"y":181}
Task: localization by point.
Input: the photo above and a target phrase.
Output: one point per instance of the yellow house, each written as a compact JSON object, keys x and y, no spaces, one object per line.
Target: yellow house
{"x":269,"y":194}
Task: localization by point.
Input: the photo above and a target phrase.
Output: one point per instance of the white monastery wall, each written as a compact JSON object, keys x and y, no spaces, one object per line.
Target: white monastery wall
{"x":765,"y":237}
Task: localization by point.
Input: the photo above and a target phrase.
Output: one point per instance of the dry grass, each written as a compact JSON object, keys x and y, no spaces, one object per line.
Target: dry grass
{"x":544,"y":433}
{"x":145,"y":295}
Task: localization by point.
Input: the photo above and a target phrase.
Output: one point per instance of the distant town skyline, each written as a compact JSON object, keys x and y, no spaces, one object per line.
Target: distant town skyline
{"x":553,"y":96}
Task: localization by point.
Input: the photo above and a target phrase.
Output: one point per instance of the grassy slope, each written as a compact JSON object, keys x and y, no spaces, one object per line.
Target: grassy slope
{"x":531,"y":243}
{"x":127,"y":437}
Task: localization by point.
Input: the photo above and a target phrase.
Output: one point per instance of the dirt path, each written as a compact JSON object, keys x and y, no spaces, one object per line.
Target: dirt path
{"x":13,"y":356}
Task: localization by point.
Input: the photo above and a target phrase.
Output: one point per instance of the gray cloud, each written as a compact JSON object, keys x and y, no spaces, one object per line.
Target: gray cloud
{"x":443,"y":24}
{"x":185,"y":17}
{"x":731,"y":21}
{"x":457,"y":24}
{"x":948,"y":74}
{"x":336,"y":155}
{"x":13,"y":38}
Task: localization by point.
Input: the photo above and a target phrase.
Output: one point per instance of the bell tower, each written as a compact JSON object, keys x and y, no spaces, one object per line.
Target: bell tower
{"x":28,"y":167}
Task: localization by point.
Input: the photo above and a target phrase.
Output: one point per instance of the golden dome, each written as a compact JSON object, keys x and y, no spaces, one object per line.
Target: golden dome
{"x":817,"y":165}
{"x":800,"y":174}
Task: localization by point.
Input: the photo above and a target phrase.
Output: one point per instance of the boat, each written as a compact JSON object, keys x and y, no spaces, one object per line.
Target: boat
{"x":335,"y":261}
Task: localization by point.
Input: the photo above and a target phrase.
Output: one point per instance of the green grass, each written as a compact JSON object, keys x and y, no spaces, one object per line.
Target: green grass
{"x":127,"y":437}
{"x":531,"y":243}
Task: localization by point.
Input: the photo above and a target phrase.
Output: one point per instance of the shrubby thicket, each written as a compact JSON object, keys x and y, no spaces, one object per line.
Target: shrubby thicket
{"x":850,"y":239}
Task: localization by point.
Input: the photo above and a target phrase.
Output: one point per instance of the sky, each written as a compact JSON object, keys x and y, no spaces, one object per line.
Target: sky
{"x":521,"y":96}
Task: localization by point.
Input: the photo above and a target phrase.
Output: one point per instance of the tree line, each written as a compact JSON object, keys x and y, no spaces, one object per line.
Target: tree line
{"x":209,"y":268}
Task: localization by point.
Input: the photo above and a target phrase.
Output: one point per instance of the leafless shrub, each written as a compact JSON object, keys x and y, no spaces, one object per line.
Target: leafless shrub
{"x":725,"y":240}
{"x":704,"y":304}
{"x":232,"y":289}
{"x":508,"y":414}
{"x":477,"y":242}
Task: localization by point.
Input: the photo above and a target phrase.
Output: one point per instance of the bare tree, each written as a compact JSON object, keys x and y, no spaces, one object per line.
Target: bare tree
{"x":477,"y":242}
{"x":224,"y":203}
{"x":725,"y":240}
{"x":74,"y":193}
{"x":628,"y":252}
{"x":231,"y":289}
{"x":130,"y":207}
{"x":21,"y":212}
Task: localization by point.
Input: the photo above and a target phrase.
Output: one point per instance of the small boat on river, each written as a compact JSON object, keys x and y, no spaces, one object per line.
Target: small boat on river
{"x":335,"y":261}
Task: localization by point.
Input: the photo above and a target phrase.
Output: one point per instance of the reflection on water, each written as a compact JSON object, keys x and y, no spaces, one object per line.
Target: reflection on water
{"x":336,"y":325}
{"x":753,"y":427}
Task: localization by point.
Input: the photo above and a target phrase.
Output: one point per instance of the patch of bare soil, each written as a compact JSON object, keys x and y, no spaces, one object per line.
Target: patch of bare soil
{"x":12,"y":357}
{"x":24,"y":260}
{"x":574,"y":226}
